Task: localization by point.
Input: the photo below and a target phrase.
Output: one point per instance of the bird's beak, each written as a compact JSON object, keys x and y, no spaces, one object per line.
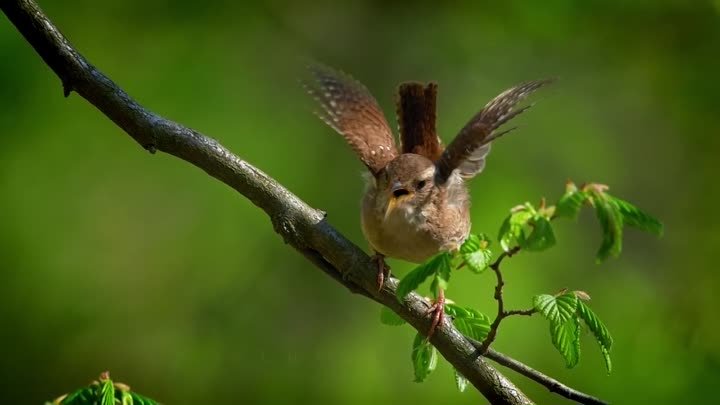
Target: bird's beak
{"x":390,"y":207}
{"x":393,"y":200}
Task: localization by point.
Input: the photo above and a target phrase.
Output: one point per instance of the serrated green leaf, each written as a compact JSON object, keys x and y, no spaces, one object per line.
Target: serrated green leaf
{"x":598,"y":329}
{"x":476,"y":328}
{"x":542,"y":236}
{"x":473,"y":243}
{"x":606,"y":357}
{"x":504,"y":236}
{"x":478,"y":261}
{"x":388,"y":317}
{"x":460,"y":382}
{"x":566,"y":339}
{"x":556,"y":309}
{"x":570,"y":204}
{"x":637,"y":218}
{"x":438,"y":263}
{"x":596,"y":326}
{"x":142,"y":400}
{"x":475,"y":253}
{"x":468,"y":321}
{"x":611,"y":222}
{"x":80,"y":397}
{"x":456,"y":311}
{"x":512,"y":230}
{"x":424,"y":358}
{"x":107,"y":392}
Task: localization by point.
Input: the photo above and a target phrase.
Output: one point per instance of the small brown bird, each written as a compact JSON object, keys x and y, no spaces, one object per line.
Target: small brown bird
{"x":416,"y":203}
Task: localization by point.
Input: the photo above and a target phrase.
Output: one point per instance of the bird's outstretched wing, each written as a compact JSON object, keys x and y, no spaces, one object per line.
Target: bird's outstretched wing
{"x":350,"y":109}
{"x":416,"y":113}
{"x":467,"y":152}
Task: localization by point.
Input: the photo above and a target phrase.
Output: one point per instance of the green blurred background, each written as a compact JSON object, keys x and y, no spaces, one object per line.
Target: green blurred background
{"x":115,"y":259}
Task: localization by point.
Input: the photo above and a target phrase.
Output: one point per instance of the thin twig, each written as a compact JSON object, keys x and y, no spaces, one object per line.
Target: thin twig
{"x":548,"y":382}
{"x":501,"y":312}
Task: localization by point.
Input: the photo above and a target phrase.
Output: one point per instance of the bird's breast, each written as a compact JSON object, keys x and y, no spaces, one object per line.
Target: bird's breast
{"x":415,"y":233}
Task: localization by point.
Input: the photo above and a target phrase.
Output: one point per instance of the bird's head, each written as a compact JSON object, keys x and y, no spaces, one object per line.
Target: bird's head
{"x":405,"y":184}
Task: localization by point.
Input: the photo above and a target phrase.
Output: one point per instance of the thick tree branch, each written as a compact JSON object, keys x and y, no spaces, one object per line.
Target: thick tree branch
{"x":302,"y":226}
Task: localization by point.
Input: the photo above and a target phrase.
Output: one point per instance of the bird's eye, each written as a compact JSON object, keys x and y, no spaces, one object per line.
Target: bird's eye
{"x":420,"y":184}
{"x":400,"y":192}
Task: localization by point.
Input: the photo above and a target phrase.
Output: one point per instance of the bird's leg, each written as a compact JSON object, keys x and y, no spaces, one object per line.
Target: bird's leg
{"x":436,"y":312}
{"x":383,"y":270}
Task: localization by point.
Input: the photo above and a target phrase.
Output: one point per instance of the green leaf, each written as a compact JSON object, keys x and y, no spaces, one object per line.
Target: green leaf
{"x":611,"y":221}
{"x":479,"y":261}
{"x":475,"y":253}
{"x":388,"y":317}
{"x":80,"y":397}
{"x":460,"y":381}
{"x":442,"y":277}
{"x":457,"y":311}
{"x":556,"y":309}
{"x":476,"y":328}
{"x":138,"y":399}
{"x":570,"y":203}
{"x":439,"y":263}
{"x":566,"y":338}
{"x":107,"y":392}
{"x":504,"y":236}
{"x":606,"y":357}
{"x":598,"y":329}
{"x":512,"y":231}
{"x":635,"y":217}
{"x":424,"y":358}
{"x":596,"y":326}
{"x":542,"y":236}
{"x":468,"y":321}
{"x":473,"y":243}
{"x":126,"y":398}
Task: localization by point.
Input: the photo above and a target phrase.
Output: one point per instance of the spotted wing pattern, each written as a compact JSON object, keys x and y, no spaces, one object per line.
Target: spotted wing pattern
{"x":350,"y":109}
{"x":469,"y":149}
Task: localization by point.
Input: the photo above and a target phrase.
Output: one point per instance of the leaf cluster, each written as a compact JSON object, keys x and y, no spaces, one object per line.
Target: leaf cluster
{"x":468,"y":321}
{"x":527,"y":228}
{"x":104,"y":392}
{"x":567,"y":312}
{"x":612,"y":212}
{"x":473,"y":254}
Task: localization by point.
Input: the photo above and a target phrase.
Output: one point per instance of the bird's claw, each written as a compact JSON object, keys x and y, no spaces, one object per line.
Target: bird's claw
{"x":437,"y":313}
{"x":383,"y":270}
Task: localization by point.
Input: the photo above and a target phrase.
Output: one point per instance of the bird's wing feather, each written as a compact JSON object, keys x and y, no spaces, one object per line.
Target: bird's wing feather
{"x":416,"y":112}
{"x":468,"y":151}
{"x":350,"y":109}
